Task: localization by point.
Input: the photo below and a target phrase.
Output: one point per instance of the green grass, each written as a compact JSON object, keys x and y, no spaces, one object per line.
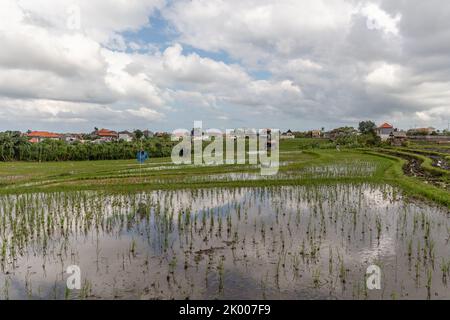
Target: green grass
{"x":303,"y":162}
{"x":394,"y":175}
{"x":426,"y":162}
{"x":429,"y":145}
{"x":304,"y":144}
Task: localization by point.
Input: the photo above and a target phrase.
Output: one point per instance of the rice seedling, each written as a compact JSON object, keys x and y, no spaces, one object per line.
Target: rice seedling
{"x":445,"y":269}
{"x":316,"y":278}
{"x":410,"y":249}
{"x":429,"y":283}
{"x":221,"y":272}
{"x":85,"y":290}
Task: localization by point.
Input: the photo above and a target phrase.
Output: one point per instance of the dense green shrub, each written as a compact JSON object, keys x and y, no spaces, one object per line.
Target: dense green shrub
{"x":14,"y":147}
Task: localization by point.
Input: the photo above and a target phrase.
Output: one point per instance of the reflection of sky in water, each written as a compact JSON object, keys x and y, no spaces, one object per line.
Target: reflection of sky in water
{"x":358,"y":169}
{"x":384,"y":249}
{"x":272,"y":226}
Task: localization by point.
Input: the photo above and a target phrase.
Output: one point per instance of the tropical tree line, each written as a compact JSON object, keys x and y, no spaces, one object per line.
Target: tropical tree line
{"x":15,"y":147}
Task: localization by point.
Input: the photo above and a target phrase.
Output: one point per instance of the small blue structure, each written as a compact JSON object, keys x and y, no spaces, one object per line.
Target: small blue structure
{"x":141,"y":156}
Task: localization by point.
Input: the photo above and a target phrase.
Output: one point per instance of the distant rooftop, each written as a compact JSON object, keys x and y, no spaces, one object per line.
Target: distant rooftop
{"x":106,"y":133}
{"x":385,"y":126}
{"x":43,"y":134}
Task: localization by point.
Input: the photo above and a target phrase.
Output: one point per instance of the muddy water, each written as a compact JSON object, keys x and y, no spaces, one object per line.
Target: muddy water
{"x":248,"y":243}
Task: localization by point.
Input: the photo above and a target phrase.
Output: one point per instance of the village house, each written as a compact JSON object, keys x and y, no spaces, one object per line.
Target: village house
{"x":39,"y":136}
{"x":126,"y":136}
{"x":198,"y":134}
{"x":161,"y":134}
{"x":287,"y":135}
{"x":72,"y":137}
{"x":316,"y":133}
{"x":421,"y":131}
{"x":384,"y":131}
{"x":398,"y":138}
{"x":148,"y":134}
{"x":106,"y":135}
{"x":235,"y":133}
{"x":180,"y":134}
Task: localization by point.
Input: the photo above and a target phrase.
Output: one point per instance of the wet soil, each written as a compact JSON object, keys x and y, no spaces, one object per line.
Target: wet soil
{"x":413,"y":168}
{"x":440,"y":162}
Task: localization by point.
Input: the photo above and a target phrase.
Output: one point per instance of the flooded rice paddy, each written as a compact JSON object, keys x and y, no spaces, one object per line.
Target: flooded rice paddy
{"x":312,"y":242}
{"x":355,"y":169}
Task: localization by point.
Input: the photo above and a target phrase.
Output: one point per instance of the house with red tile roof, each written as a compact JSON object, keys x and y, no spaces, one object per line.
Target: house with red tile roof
{"x":384,"y":131}
{"x":106,"y":135}
{"x":39,"y":136}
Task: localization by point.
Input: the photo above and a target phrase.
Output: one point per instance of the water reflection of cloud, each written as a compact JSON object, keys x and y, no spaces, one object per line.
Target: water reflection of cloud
{"x":383,"y":250}
{"x":107,"y":260}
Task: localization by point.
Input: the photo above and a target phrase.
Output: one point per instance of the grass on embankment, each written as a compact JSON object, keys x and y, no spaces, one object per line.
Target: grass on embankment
{"x":394,"y":175}
{"x":426,"y":162}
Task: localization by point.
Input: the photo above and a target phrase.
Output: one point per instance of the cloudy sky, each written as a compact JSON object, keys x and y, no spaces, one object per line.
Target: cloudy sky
{"x":70,"y":65}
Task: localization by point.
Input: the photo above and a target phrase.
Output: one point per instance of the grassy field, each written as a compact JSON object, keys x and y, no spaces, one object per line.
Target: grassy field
{"x":302,"y":162}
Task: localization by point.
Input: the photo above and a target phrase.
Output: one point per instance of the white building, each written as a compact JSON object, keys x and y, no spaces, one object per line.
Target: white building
{"x":125,"y":136}
{"x":384,"y":131}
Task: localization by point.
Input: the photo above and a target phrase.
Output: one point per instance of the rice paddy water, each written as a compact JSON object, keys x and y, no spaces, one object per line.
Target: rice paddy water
{"x":296,"y":242}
